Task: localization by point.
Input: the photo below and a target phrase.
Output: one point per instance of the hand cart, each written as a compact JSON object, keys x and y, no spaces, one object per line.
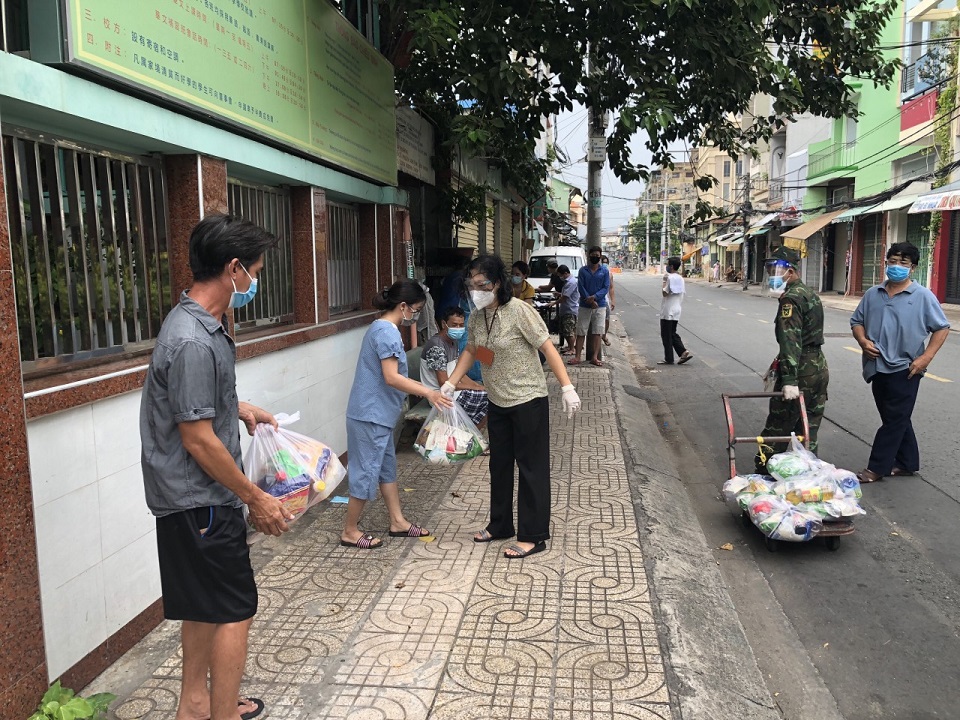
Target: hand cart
{"x":832,"y":530}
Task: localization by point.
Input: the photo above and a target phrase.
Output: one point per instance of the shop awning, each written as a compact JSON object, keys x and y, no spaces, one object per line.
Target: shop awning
{"x":850,"y":213}
{"x":897,"y":202}
{"x":758,"y":231}
{"x":765,"y":221}
{"x":731,"y":240}
{"x":802,"y":232}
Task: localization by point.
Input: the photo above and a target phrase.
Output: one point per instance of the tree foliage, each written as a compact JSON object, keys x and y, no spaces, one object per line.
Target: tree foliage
{"x":488,"y":71}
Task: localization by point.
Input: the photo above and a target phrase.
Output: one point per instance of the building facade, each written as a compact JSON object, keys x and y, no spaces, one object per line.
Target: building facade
{"x":123,"y":124}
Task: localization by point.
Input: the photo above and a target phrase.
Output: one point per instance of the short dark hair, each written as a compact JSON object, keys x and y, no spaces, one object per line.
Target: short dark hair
{"x":522,"y":267}
{"x":218,"y":239}
{"x":552,"y":263}
{"x":450,"y":312}
{"x":562,"y":269}
{"x":597,"y":248}
{"x":604,"y":257}
{"x":405,"y":291}
{"x":492,"y":268}
{"x":905,"y":250}
{"x":674,"y":263}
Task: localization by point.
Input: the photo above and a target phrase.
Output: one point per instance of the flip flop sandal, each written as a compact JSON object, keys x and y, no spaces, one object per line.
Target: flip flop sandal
{"x":598,"y":363}
{"x":900,"y":472}
{"x":574,"y":362}
{"x":867,"y":476}
{"x":486,"y":537}
{"x":258,"y":706}
{"x":514,"y":552}
{"x":366,"y":542}
{"x":686,"y":357}
{"x":413,"y":531}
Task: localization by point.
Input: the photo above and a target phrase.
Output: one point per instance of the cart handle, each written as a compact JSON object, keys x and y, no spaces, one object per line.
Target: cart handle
{"x":733,"y":439}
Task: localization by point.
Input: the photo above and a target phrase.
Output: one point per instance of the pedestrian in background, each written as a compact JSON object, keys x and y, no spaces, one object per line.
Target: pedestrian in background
{"x":671,"y":303}
{"x":611,"y":303}
{"x":505,"y":335}
{"x":522,"y":290}
{"x":801,"y":365}
{"x":376,"y":401}
{"x":555,"y":284}
{"x":892,"y":324}
{"x":568,"y":305}
{"x":438,"y":358}
{"x":593,"y":284}
{"x":192,"y":471}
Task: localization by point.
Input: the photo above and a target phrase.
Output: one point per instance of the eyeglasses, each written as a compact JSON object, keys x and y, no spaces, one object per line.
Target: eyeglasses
{"x":477,"y":284}
{"x":902,"y":262}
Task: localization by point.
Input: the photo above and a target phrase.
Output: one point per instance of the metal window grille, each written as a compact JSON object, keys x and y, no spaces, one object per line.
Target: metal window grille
{"x":343,"y":263}
{"x":270,"y":208}
{"x":88,"y":236}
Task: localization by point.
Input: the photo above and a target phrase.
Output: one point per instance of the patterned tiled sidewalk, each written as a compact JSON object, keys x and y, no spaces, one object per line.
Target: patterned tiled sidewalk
{"x":449,"y":628}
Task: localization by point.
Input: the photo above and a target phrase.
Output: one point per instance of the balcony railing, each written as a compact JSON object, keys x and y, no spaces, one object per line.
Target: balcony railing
{"x":838,"y":156}
{"x":919,"y":76}
{"x":776,"y":190}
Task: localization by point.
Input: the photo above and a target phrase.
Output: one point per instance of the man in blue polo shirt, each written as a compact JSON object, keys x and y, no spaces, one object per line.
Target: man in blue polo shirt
{"x":593,"y":282}
{"x":892,"y":324}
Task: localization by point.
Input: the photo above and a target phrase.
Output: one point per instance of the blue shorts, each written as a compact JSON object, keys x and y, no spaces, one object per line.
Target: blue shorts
{"x":371,"y":458}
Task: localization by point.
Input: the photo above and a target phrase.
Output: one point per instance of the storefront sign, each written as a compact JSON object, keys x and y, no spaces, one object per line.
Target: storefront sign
{"x":294,"y":70}
{"x":936,"y":202}
{"x":415,"y":145}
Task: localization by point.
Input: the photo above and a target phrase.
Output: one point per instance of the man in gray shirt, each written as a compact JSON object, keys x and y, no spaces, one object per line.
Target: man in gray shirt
{"x":891,"y":324}
{"x":192,"y":472}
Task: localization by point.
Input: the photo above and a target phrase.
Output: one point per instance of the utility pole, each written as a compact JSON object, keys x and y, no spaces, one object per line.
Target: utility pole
{"x":664,"y":224}
{"x":596,"y":157}
{"x":646,"y":210}
{"x":746,"y":208}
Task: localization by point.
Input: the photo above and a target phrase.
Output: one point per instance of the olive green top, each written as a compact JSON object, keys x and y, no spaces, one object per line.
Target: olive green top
{"x":799,"y":326}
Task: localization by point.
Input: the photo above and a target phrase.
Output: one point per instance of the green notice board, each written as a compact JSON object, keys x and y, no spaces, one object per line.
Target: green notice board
{"x":295,"y":70}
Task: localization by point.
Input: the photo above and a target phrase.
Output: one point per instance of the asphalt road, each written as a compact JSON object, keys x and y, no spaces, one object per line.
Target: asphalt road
{"x":869,"y":631}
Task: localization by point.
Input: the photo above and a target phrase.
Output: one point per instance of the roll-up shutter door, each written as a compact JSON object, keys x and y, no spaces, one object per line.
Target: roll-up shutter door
{"x":469,"y":236}
{"x":505,"y":233}
{"x":918,"y":233}
{"x":952,"y":294}
{"x":489,"y":242}
{"x":873,"y":251}
{"x":814,"y":262}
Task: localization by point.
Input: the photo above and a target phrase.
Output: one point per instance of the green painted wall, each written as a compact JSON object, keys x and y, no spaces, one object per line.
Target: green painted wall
{"x":877,"y":132}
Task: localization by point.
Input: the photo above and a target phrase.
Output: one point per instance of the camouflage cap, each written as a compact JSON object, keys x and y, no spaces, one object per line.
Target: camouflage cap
{"x":786,"y":255}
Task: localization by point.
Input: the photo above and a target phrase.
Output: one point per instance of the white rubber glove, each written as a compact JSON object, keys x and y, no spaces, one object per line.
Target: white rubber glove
{"x":571,"y":401}
{"x":791,"y":392}
{"x":448,"y":389}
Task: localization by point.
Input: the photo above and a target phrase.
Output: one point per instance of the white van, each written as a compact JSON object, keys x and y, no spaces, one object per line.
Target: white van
{"x":570,"y":255}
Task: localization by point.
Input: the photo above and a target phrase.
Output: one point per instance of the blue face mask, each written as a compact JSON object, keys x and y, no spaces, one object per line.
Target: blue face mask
{"x":516,"y":279}
{"x":239,"y":299}
{"x":897,"y":273}
{"x":775,"y":282}
{"x":456,"y":333}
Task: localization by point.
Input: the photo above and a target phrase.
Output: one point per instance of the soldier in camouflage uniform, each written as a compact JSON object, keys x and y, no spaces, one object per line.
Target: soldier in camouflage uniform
{"x":802,"y":365}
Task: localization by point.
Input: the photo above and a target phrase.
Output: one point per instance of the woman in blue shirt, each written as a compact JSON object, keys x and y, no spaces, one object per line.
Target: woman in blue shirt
{"x":376,"y":401}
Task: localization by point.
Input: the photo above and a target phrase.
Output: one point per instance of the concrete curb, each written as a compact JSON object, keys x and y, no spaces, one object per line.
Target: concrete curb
{"x":714,"y":673}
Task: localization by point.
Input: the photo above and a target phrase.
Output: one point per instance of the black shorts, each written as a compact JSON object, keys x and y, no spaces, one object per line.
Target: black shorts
{"x":206,"y":577}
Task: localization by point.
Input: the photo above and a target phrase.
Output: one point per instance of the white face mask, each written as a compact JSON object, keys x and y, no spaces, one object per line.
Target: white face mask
{"x":482,"y":298}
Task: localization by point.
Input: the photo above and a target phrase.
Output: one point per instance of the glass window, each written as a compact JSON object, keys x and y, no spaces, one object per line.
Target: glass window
{"x":726,"y":168}
{"x":343,"y":258}
{"x":268,"y":207}
{"x":88,"y":236}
